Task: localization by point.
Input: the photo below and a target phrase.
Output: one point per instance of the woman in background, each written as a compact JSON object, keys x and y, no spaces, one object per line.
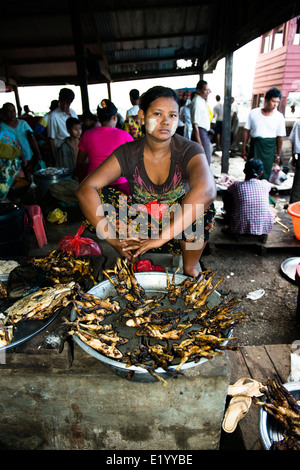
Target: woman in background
{"x":98,"y":143}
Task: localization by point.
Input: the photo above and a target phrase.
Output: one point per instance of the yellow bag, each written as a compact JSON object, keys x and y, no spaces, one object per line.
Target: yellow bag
{"x":57,"y":216}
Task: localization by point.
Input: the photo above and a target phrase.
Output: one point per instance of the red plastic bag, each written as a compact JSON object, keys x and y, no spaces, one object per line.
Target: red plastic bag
{"x":75,"y":245}
{"x":154,"y":208}
{"x":146,"y":265}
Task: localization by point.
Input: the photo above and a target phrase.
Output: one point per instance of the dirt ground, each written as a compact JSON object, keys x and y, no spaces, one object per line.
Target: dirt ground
{"x":272,"y":318}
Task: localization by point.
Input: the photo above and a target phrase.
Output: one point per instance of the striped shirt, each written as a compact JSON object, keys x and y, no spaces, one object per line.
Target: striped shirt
{"x":251,"y":213}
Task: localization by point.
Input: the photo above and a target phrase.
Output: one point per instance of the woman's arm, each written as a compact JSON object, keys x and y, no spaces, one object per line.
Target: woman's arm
{"x":245,"y":141}
{"x":196,"y":133}
{"x":81,"y":156}
{"x":8,"y":151}
{"x":90,"y":202}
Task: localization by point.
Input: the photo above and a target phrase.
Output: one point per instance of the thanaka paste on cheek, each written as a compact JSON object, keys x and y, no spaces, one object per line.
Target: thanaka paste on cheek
{"x":174,"y":127}
{"x":150,"y":125}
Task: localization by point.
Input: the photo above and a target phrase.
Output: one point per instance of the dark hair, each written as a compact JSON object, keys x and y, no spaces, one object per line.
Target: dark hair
{"x":134,"y":94}
{"x":89,"y":115}
{"x":218,"y":97}
{"x":6,"y":105}
{"x":70,"y":122}
{"x":106,"y":110}
{"x":54,"y":104}
{"x":157,"y":92}
{"x":67,"y":95}
{"x":253,"y":168}
{"x":273,"y":93}
{"x":201,"y":84}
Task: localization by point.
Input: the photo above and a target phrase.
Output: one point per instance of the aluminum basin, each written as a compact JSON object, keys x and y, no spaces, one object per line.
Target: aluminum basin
{"x":154,"y":283}
{"x":269,"y":429}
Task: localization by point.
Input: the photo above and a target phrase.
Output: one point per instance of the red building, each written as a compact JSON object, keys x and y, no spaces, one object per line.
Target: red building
{"x":278,"y":65}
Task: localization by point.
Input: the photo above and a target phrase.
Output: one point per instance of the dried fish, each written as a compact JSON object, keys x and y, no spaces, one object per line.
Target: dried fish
{"x":40,"y":304}
{"x":186,"y":333}
{"x":110,"y":350}
{"x":62,"y":268}
{"x":284,"y":408}
{"x":95,"y":303}
{"x":126,"y":286}
{"x":3,"y":290}
{"x":176,"y":290}
{"x":6,"y":334}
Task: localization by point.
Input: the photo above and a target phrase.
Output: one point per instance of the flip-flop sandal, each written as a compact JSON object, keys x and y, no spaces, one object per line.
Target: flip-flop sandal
{"x":238,"y":407}
{"x":246,"y":387}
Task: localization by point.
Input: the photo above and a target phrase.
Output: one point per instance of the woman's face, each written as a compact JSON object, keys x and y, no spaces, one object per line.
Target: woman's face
{"x":161,"y":119}
{"x":10,"y":112}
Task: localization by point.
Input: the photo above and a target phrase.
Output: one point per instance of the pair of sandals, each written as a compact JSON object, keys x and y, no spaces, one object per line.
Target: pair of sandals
{"x":242,"y":393}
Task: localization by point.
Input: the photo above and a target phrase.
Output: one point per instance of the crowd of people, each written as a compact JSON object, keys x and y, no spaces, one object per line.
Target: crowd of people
{"x":159,"y":158}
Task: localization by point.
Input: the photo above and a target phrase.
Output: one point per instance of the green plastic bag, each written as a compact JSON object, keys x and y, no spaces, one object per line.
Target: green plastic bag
{"x":41,"y":165}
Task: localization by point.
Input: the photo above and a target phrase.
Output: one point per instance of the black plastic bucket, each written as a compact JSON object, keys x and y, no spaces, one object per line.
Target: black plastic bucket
{"x":13,"y":230}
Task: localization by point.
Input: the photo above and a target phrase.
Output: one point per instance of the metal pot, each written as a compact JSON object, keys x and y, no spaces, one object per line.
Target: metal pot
{"x":269,"y":429}
{"x":44,"y":178}
{"x":154,"y":283}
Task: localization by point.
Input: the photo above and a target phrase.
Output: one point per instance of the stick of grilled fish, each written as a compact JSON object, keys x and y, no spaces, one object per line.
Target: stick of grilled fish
{"x":94,"y":342}
{"x":39,"y":304}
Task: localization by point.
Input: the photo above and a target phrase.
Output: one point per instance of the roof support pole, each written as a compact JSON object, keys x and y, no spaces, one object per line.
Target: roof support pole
{"x":17,"y":98}
{"x":79,"y":53}
{"x":226,"y":129}
{"x":109,"y":90}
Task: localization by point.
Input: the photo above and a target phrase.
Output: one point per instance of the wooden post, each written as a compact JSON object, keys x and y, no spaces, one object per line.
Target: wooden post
{"x":226,"y":130}
{"x":109,"y":91}
{"x":79,"y":53}
{"x":17,"y":98}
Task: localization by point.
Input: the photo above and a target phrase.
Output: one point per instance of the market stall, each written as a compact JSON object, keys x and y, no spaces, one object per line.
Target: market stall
{"x":79,"y":361}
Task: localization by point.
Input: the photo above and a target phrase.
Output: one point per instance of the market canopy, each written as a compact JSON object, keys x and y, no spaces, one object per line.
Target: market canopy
{"x":67,"y":42}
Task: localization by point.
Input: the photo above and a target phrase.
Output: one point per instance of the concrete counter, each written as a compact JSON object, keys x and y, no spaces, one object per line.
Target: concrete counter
{"x":88,"y":407}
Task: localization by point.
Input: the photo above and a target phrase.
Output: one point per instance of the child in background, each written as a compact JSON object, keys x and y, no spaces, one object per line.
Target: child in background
{"x":67,"y":152}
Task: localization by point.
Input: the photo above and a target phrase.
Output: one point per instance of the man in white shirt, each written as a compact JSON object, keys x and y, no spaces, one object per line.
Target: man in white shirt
{"x":266,"y":127}
{"x":294,"y":137}
{"x":200,"y":118}
{"x":57,"y":130}
{"x":134,"y":96}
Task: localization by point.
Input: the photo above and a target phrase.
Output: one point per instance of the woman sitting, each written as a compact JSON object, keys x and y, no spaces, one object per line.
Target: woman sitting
{"x":23,"y":133}
{"x":171,"y":188}
{"x":247,"y":203}
{"x":10,"y":162}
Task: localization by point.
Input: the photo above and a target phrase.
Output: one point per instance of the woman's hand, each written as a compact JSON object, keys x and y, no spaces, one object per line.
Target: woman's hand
{"x":125,"y":248}
{"x":138,"y":246}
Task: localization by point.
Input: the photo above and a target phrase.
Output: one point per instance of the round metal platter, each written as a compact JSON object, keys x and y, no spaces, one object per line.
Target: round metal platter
{"x":269,"y":429}
{"x":26,"y":329}
{"x":154,"y":284}
{"x":289,"y":266}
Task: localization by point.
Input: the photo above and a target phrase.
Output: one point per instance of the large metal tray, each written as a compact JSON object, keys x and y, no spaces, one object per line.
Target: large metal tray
{"x":154,"y":283}
{"x":288,"y":268}
{"x":27,"y":329}
{"x":269,"y":429}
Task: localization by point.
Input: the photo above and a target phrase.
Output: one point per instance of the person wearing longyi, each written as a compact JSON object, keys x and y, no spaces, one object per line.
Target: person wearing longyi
{"x":160,"y":166}
{"x":266,"y":128}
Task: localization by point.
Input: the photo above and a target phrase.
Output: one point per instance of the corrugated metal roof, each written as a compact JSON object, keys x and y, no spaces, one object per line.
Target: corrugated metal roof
{"x":123,"y":41}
